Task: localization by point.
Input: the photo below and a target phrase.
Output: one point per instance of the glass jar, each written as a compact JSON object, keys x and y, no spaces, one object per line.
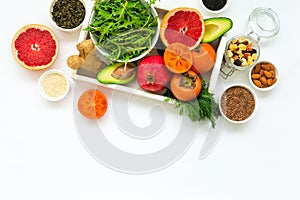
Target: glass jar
{"x":263,"y":23}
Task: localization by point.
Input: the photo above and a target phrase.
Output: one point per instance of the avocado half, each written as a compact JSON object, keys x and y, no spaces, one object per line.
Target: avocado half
{"x":215,"y":27}
{"x":117,"y":73}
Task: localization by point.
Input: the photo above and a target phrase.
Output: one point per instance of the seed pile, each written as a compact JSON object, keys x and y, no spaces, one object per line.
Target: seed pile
{"x":237,"y":103}
{"x":214,"y":4}
{"x":68,"y":13}
{"x":241,"y":52}
{"x":54,"y":85}
{"x":263,"y":75}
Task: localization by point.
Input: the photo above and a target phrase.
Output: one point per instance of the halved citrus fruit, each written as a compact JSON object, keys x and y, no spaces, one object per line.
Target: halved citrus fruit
{"x":178,"y":58}
{"x":182,"y":25}
{"x":35,"y":47}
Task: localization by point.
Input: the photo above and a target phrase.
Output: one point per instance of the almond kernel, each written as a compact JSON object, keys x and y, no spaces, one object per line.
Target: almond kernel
{"x":263,"y":80}
{"x":255,"y":76}
{"x":257,"y":83}
{"x":267,"y":74}
{"x":269,"y":81}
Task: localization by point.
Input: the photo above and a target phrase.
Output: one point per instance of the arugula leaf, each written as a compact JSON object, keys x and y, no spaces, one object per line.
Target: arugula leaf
{"x":115,"y":20}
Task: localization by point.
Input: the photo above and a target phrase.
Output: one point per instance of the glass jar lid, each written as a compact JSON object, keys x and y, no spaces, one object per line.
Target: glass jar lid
{"x":264,"y":22}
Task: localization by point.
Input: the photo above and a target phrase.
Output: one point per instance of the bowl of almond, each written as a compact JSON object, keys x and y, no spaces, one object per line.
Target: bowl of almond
{"x":264,"y":76}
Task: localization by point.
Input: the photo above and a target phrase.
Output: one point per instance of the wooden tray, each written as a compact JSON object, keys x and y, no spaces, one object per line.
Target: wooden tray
{"x":89,"y":75}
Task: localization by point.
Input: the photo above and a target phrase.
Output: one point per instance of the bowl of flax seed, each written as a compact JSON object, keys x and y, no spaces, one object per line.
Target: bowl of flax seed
{"x":238,"y":103}
{"x":53,"y":85}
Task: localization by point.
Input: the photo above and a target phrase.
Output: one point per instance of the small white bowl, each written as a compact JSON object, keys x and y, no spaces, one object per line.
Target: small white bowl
{"x":236,"y":98}
{"x":215,"y":11}
{"x":53,"y":85}
{"x":255,"y":46}
{"x":66,"y":29}
{"x":264,"y":87}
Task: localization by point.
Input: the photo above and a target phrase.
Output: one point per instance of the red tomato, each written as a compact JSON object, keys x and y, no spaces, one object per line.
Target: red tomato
{"x":92,"y":104}
{"x":186,"y":86}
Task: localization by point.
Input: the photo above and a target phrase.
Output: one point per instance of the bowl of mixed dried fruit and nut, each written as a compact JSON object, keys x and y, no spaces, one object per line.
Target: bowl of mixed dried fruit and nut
{"x":242,"y":52}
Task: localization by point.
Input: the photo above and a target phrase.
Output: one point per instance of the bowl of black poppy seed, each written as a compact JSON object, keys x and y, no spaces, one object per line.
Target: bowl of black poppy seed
{"x":67,"y":15}
{"x":215,"y":6}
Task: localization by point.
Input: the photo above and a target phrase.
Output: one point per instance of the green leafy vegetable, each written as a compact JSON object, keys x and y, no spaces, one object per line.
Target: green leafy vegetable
{"x":123,"y":28}
{"x":201,"y":108}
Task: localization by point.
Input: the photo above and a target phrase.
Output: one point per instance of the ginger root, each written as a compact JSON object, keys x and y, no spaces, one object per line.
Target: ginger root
{"x":85,"y":47}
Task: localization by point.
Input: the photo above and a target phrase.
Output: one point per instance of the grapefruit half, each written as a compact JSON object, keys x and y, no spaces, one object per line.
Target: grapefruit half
{"x":182,"y":25}
{"x":35,"y":47}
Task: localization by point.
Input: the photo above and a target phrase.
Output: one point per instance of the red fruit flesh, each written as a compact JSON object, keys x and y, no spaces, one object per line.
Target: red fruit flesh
{"x":152,"y":74}
{"x":35,"y":47}
{"x":183,"y":27}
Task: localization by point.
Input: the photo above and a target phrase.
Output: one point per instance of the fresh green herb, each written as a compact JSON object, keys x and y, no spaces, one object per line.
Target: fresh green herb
{"x":201,"y":108}
{"x":128,"y":44}
{"x":123,"y":28}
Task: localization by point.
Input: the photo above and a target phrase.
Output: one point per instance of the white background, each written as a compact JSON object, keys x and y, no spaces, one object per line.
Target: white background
{"x":41,"y":156}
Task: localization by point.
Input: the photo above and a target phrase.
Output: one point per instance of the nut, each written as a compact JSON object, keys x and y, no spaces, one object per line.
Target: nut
{"x":267,"y":74}
{"x":263,"y":80}
{"x":263,"y":74}
{"x":257,"y":83}
{"x":269,"y":81}
{"x":74,"y":61}
{"x":266,"y":67}
{"x":257,"y":69}
{"x":273,"y":73}
{"x":255,"y":76}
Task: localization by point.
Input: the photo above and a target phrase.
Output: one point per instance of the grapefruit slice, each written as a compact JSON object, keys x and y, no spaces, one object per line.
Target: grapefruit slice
{"x":182,"y":25}
{"x":35,"y":47}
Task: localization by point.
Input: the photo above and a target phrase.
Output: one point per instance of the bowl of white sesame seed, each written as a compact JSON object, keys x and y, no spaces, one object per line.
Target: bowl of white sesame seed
{"x":54,"y":85}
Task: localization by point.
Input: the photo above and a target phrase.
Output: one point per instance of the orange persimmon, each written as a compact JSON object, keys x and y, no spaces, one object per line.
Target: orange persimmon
{"x":92,"y":104}
{"x":204,"y":60}
{"x":186,"y":86}
{"x":178,"y":58}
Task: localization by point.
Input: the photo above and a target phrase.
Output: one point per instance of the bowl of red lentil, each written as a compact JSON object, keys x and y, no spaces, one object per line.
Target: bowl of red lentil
{"x":53,"y":85}
{"x":238,"y":103}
